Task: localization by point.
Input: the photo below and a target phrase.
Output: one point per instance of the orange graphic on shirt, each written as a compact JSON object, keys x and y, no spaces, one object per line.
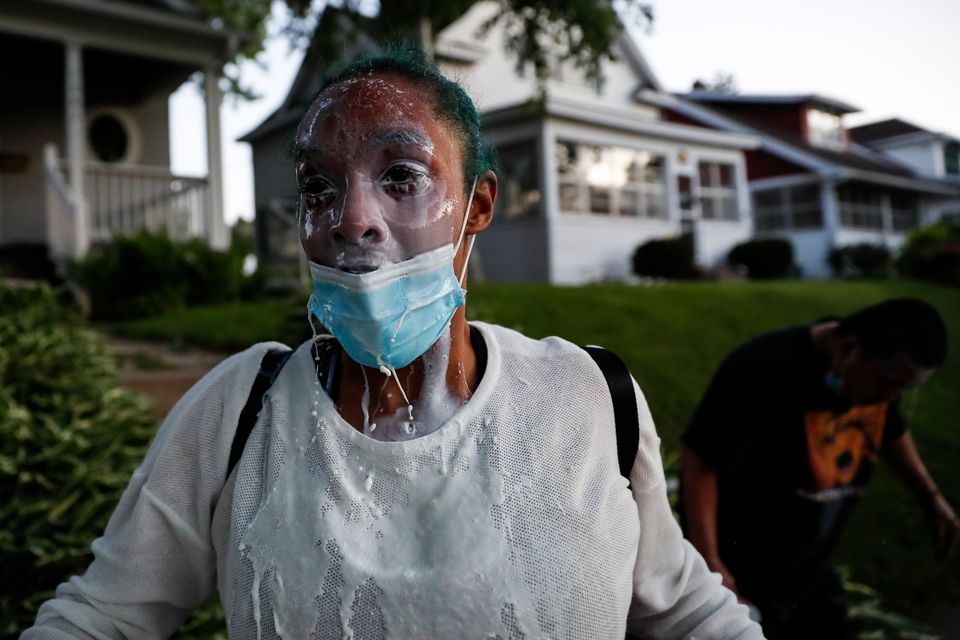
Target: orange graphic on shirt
{"x":838,"y":444}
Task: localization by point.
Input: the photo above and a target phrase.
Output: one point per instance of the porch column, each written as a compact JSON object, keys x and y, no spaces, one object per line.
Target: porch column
{"x":214,"y":226}
{"x":830,"y":207}
{"x":76,"y":144}
{"x":886,"y":213}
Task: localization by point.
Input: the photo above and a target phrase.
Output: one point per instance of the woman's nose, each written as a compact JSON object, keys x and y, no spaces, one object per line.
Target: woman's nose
{"x":360,"y":220}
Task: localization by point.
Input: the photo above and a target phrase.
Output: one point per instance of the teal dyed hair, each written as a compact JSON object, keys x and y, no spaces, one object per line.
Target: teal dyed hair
{"x":451,"y":101}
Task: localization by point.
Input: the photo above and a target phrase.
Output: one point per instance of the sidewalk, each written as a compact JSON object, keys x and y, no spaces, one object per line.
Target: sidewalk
{"x":159,"y":371}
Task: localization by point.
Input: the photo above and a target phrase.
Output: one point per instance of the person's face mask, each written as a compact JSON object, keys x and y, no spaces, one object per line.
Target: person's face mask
{"x":389,"y":317}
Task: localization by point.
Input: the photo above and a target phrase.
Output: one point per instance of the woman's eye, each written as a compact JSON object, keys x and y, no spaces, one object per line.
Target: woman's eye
{"x":317,"y":192}
{"x":404,"y":179}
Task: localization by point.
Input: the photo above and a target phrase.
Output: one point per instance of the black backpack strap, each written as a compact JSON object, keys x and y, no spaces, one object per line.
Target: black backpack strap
{"x":270,"y":367}
{"x":624,"y":398}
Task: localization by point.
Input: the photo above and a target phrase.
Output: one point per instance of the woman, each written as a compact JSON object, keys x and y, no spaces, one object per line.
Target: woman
{"x":418,"y":476}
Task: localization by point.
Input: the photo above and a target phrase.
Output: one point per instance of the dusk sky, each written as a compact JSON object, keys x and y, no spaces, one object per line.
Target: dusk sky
{"x":888,"y":58}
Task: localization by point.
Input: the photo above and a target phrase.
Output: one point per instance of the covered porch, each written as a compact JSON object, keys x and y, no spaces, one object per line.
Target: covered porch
{"x":88,"y":114}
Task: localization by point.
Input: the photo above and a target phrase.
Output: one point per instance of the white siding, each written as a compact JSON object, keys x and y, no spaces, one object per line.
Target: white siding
{"x":273,"y":169}
{"x":810,"y":250}
{"x":512,"y":251}
{"x":586,"y":248}
{"x":714,"y":239}
{"x":863,"y":236}
{"x":24,"y":204}
{"x":923,"y":157}
{"x":493,"y":81}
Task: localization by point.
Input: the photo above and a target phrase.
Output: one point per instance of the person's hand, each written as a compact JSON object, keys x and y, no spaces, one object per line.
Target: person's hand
{"x":945,"y":525}
{"x":729,"y":582}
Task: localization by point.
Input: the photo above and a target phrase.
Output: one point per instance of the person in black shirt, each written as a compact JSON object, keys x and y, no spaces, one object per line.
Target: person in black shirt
{"x":782,"y":444}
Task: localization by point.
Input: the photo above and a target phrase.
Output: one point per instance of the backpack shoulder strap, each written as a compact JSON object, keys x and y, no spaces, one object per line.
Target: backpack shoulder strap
{"x":270,"y":367}
{"x":624,"y":398}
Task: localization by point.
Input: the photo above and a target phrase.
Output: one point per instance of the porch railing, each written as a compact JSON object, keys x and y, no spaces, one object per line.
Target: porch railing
{"x":124,"y":199}
{"x":62,"y":219}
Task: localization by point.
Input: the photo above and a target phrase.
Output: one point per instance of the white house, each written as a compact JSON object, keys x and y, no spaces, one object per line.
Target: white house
{"x":809,"y":182}
{"x":588,"y":174}
{"x":84,"y":141}
{"x":929,"y":153}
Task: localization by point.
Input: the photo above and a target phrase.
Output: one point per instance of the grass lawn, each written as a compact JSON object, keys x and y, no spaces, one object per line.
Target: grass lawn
{"x":673,"y":337}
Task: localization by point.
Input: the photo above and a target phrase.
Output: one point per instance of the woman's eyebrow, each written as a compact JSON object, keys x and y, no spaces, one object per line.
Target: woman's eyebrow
{"x":307,"y":150}
{"x":404,"y":136}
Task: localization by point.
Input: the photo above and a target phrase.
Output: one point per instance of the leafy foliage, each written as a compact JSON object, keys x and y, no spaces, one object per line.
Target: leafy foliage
{"x":666,"y":258}
{"x":932,"y":253}
{"x":541,"y":33}
{"x":863,"y":260}
{"x":873,"y":620}
{"x":764,"y":259}
{"x":145,"y":274}
{"x":70,"y":438}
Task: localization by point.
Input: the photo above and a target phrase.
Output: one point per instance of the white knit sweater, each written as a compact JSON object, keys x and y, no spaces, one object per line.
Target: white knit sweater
{"x":510,"y":521}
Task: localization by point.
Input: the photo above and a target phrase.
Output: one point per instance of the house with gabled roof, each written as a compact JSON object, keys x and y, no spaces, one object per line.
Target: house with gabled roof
{"x":928,"y":153}
{"x":84,"y":132}
{"x":809,"y":181}
{"x":588,"y":173}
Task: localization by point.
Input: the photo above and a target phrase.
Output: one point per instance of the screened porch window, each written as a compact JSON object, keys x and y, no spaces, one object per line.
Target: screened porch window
{"x":519,"y":188}
{"x":718,"y":191}
{"x":860,"y":207}
{"x":951,"y":158}
{"x":788,"y":208}
{"x":905,"y":212}
{"x":610,"y":181}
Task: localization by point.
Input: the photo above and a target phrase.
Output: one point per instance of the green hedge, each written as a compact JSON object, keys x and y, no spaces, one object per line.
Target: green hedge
{"x":666,"y":258}
{"x":932,"y":253}
{"x":70,"y":438}
{"x":147,"y":274}
{"x":763,"y":259}
{"x":863,"y":260}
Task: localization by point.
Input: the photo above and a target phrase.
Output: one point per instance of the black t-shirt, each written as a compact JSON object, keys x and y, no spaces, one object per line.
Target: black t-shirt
{"x":791,"y":457}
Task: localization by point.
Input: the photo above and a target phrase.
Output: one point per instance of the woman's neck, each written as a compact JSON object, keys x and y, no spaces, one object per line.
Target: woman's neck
{"x":435,"y":384}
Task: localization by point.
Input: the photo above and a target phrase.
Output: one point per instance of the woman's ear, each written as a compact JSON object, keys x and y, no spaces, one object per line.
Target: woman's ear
{"x":484,"y":198}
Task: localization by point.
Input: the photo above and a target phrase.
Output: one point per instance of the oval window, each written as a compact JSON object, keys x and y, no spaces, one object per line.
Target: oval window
{"x":108,"y":138}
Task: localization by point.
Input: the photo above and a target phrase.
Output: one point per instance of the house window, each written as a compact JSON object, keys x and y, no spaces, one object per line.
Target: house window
{"x":825,"y":129}
{"x":718,"y":191}
{"x":519,"y":188}
{"x":610,"y":181}
{"x":685,"y":192}
{"x":788,"y":208}
{"x":951,"y":158}
{"x":905,"y":212}
{"x":108,"y":138}
{"x":860,"y":208}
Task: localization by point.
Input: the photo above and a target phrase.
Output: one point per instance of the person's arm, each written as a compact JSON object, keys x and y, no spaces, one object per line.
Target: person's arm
{"x":155,"y":562}
{"x":902,"y":456}
{"x":699,"y":487}
{"x":674,"y":594}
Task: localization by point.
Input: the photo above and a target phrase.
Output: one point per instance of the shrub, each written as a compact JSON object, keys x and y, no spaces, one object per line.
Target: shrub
{"x":932,"y":253}
{"x":145,"y":274}
{"x":764,"y":259}
{"x":70,"y":438}
{"x":666,"y":258}
{"x":860,"y":260}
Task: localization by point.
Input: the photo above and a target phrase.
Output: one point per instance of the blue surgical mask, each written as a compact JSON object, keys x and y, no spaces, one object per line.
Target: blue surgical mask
{"x":834,"y":382}
{"x":389,"y":317}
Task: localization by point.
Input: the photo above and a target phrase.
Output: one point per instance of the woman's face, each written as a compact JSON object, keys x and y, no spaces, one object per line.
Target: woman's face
{"x":380,"y":175}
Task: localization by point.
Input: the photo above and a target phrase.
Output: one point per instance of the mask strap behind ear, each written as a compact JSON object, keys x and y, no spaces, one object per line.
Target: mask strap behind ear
{"x":463,"y":230}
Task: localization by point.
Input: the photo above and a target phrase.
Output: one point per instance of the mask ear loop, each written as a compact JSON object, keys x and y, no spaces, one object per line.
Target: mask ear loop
{"x":463,"y":230}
